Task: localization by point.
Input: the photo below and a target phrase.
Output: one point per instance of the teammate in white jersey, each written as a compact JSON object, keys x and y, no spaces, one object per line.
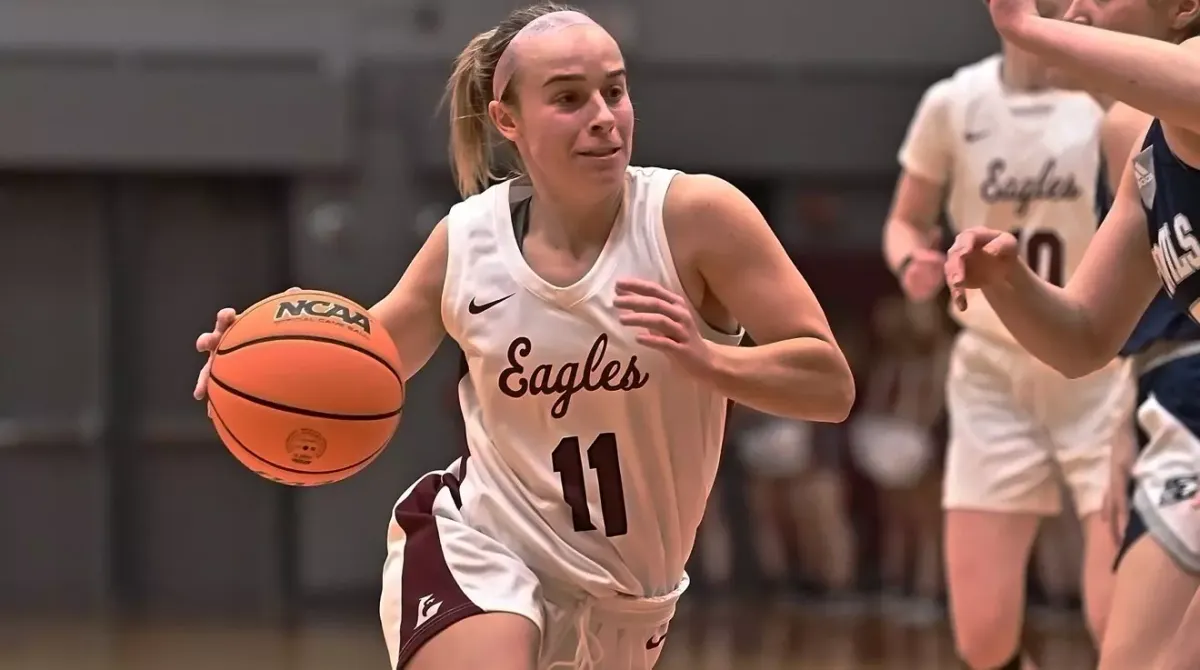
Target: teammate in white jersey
{"x":595,"y":401}
{"x":1000,"y":149}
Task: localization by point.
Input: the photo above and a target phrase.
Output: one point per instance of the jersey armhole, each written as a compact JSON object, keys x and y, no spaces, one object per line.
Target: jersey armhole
{"x":661,"y":247}
{"x":450,"y":287}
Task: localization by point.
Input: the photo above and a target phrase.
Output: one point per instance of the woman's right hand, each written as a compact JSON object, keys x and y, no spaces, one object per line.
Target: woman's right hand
{"x":979,"y":258}
{"x":924,"y":276}
{"x":207,"y":343}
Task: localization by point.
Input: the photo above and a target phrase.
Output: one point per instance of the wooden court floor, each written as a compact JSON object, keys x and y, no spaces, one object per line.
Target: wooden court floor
{"x":704,"y":636}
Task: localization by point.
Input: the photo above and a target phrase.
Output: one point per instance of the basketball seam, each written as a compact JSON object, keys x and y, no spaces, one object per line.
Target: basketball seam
{"x":273,"y":464}
{"x":300,"y":410}
{"x":313,"y":338}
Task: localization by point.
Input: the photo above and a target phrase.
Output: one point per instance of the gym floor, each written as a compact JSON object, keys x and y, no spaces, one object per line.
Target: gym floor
{"x":705,"y":636}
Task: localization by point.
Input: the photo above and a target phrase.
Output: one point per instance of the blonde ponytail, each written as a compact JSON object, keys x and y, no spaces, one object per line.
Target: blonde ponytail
{"x":469,"y":91}
{"x":470,"y":136}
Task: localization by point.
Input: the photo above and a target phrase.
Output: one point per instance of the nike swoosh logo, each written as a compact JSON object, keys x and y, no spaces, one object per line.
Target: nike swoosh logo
{"x":480,"y":309}
{"x":655,"y":644}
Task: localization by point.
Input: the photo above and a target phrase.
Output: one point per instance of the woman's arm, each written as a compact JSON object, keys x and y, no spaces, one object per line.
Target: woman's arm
{"x":1080,"y":328}
{"x":796,"y":369}
{"x":910,"y":233}
{"x":412,"y":312}
{"x":1157,"y":77}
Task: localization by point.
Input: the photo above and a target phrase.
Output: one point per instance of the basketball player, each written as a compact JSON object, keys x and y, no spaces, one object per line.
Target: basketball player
{"x":999,"y":148}
{"x":1115,"y":303}
{"x":599,"y":307}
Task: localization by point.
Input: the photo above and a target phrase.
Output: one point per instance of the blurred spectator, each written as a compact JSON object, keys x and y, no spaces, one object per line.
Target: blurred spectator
{"x":893,"y":442}
{"x":802,"y":535}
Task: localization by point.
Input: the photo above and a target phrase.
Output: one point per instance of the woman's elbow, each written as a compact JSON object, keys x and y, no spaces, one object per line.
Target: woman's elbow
{"x":839,"y":395}
{"x":1084,"y":360}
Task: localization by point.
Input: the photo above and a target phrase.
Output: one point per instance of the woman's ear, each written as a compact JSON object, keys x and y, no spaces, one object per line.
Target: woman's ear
{"x":504,"y":119}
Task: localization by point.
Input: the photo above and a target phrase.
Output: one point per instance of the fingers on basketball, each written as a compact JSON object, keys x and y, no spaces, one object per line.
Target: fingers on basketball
{"x":306,"y":388}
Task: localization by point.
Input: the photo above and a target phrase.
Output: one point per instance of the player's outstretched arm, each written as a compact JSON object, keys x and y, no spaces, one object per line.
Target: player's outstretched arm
{"x":1080,"y":328}
{"x":1157,"y":77}
{"x":412,"y":312}
{"x":796,"y":368}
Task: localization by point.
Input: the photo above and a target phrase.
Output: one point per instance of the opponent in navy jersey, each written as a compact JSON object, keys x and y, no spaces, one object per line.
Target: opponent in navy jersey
{"x":1145,"y":247}
{"x":1163,"y":320}
{"x":1170,"y":193}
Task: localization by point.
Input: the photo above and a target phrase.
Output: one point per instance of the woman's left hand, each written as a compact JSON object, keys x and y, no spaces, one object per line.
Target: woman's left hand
{"x":665,"y":323}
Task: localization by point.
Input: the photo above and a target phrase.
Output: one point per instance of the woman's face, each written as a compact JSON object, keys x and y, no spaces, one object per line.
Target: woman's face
{"x":573,"y":120}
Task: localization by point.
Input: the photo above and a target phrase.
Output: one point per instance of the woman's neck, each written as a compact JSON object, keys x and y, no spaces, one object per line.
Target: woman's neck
{"x":575,"y":224}
{"x":1020,"y":72}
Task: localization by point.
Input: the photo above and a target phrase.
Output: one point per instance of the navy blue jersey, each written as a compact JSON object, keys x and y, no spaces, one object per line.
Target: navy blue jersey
{"x":1170,"y":192}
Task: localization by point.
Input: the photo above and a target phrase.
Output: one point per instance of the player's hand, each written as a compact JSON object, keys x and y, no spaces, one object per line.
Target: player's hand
{"x":924,"y":275}
{"x":979,"y":257}
{"x":1008,"y":15}
{"x":207,"y":344}
{"x":663,"y":320}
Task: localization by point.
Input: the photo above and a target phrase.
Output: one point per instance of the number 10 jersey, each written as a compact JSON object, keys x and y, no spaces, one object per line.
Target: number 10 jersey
{"x":1023,"y":163}
{"x":591,"y":457}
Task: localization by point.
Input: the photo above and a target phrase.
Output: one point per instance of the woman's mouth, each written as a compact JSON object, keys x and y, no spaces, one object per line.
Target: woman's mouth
{"x":600,"y":153}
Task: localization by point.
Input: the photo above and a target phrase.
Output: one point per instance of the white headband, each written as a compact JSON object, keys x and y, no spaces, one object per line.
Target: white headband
{"x":546,"y":23}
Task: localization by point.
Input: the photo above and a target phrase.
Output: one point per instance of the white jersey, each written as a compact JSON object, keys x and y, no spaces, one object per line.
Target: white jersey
{"x":592,"y":456}
{"x":1025,"y":163}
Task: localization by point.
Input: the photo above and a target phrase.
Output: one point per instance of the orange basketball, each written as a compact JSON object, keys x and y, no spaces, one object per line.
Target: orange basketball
{"x":306,"y":388}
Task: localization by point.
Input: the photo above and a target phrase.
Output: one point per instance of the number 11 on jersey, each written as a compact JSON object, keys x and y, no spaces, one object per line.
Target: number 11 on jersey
{"x":602,"y":457}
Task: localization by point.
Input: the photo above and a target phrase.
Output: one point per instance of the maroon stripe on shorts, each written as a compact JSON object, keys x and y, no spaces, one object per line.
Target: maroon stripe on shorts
{"x":428,"y":590}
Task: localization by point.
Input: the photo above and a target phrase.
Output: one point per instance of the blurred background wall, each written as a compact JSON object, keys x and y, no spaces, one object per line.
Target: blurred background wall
{"x":160,"y":160}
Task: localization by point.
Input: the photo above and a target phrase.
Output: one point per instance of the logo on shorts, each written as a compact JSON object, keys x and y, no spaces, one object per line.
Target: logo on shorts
{"x":1179,"y":489}
{"x":427,"y":608}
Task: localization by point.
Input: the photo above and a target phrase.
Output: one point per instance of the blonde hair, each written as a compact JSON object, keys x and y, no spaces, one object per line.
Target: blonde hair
{"x":473,"y":143}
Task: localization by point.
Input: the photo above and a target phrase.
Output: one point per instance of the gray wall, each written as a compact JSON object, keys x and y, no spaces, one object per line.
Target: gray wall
{"x":319,"y":117}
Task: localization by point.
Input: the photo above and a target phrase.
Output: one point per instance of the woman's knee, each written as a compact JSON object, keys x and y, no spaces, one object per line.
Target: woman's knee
{"x":986,"y":557}
{"x":987,"y":639}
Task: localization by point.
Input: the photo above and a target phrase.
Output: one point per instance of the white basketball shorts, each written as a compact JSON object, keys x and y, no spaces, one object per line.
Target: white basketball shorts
{"x":1014,"y":422}
{"x":1167,"y":472}
{"x":439,"y":571}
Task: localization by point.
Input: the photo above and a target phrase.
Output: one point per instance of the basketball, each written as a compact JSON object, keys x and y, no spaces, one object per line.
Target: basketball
{"x":305,"y":388}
